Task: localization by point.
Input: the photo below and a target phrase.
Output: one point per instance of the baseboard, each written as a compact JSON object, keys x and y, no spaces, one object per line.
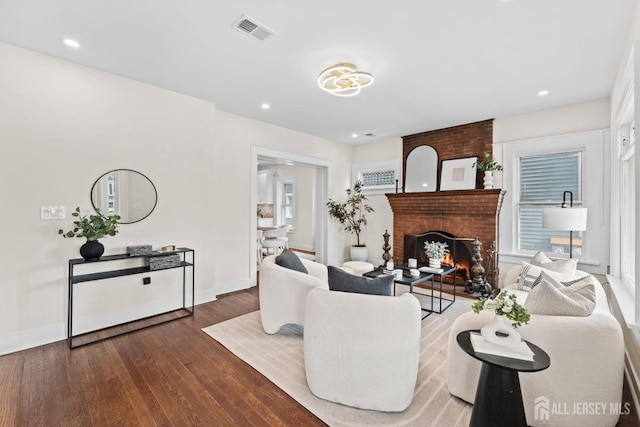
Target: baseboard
{"x":48,"y":334}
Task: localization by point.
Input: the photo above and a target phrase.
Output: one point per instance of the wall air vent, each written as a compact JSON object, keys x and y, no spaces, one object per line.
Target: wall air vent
{"x":252,"y":28}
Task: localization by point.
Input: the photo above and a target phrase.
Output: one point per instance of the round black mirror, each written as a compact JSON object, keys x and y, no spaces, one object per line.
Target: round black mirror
{"x":124,"y":192}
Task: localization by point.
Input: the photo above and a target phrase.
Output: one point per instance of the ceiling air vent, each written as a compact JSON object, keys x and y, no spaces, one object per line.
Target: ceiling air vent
{"x":252,"y":28}
{"x":370,"y":135}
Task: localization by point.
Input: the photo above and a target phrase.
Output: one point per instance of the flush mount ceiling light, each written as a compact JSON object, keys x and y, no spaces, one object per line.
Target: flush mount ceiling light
{"x":344,"y":79}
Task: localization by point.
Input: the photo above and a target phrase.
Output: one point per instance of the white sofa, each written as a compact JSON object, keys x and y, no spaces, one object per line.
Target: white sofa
{"x":587,"y":362}
{"x":362,"y":350}
{"x":283,"y":292}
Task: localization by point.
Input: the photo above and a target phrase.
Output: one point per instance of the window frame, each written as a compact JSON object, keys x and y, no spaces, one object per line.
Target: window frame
{"x":280,"y":183}
{"x":358,"y":169}
{"x":595,"y":194}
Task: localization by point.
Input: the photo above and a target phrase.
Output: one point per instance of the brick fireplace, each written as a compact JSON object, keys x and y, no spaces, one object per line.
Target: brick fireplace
{"x":461,"y":213}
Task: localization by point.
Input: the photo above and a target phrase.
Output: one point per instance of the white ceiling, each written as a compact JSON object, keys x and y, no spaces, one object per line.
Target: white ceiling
{"x":437,"y":63}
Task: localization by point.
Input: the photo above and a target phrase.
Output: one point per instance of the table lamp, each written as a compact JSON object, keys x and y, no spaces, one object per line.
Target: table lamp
{"x":566,"y":218}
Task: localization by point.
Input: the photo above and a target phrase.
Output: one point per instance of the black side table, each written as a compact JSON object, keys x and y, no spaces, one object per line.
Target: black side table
{"x":498,"y":400}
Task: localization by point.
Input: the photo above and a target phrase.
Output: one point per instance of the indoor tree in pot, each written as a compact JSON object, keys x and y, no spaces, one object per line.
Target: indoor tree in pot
{"x":488,"y":164}
{"x":92,"y":228}
{"x":351,"y":214}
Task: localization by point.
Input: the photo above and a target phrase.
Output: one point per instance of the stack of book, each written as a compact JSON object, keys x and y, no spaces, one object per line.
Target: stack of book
{"x":520,"y":351}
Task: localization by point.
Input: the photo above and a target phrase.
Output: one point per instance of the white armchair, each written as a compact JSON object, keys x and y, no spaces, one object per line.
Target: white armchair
{"x":283,"y":292}
{"x":362,"y":350}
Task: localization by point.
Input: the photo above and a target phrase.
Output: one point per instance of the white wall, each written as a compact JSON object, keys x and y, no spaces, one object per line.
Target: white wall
{"x":382,"y":218}
{"x":62,"y":126}
{"x":572,"y":119}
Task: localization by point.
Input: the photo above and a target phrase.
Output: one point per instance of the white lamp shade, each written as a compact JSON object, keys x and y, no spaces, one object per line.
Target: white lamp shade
{"x":568,"y":219}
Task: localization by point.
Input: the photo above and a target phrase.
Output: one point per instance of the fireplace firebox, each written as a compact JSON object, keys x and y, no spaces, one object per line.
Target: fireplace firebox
{"x":460,"y":252}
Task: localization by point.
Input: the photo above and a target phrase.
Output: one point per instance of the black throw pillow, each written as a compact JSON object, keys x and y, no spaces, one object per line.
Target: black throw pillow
{"x":288,"y":259}
{"x":340,"y":280}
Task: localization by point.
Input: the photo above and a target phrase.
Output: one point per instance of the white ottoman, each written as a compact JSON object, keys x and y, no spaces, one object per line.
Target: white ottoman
{"x":357,"y":267}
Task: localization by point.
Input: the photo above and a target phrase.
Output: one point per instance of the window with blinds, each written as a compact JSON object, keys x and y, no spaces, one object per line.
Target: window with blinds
{"x":543,"y":181}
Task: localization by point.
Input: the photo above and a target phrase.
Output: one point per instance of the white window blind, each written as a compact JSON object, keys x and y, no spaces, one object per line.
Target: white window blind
{"x":543,"y":181}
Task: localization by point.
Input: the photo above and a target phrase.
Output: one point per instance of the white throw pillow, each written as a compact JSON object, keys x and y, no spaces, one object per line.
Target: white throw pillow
{"x":530,"y":276}
{"x":567,"y":266}
{"x":554,"y":298}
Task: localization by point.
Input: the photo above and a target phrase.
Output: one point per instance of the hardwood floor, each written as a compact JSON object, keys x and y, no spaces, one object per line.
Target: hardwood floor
{"x":172,"y":374}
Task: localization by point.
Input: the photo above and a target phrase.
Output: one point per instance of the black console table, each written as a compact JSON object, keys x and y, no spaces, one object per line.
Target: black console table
{"x":187,"y":261}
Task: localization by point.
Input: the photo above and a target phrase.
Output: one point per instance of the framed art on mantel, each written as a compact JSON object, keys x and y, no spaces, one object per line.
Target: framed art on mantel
{"x":458,"y":174}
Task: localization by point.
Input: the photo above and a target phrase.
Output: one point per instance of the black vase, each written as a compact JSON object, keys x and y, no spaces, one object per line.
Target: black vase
{"x":91,"y":250}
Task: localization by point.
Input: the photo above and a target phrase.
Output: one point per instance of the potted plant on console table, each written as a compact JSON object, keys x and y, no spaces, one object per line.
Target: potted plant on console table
{"x":92,"y":227}
{"x":488,"y":164}
{"x":352,"y":215}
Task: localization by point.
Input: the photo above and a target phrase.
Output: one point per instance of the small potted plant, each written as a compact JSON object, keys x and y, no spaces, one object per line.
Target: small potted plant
{"x":351,"y":214}
{"x":435,"y":251}
{"x":488,"y":164}
{"x":505,"y":306}
{"x":92,"y":228}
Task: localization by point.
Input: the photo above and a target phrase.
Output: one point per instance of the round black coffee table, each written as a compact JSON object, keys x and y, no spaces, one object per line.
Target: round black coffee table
{"x":498,"y":400}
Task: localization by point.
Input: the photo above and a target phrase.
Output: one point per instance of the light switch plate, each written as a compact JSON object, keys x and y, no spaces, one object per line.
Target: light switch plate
{"x":53,"y":212}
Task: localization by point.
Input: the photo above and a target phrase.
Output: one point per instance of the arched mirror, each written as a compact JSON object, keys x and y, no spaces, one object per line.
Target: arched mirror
{"x":124,"y":192}
{"x":422,"y":170}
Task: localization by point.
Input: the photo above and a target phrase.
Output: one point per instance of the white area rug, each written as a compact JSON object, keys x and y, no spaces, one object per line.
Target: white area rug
{"x":280,"y":358}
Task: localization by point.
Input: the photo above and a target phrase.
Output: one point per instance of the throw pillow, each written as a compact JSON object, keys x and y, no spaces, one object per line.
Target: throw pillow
{"x":567,"y":266}
{"x":288,"y":259}
{"x":553,"y":298}
{"x":340,"y":280}
{"x":530,"y":276}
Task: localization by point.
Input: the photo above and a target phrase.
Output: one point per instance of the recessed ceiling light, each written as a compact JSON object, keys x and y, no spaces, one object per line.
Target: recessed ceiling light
{"x":265,"y":106}
{"x":543,"y":92}
{"x":71,"y":43}
{"x":354,"y":135}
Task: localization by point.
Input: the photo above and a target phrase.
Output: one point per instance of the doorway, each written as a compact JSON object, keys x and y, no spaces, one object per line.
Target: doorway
{"x":265,"y":158}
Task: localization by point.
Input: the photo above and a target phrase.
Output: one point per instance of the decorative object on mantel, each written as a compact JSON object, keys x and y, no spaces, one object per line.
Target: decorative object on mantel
{"x":351,"y":215}
{"x":458,"y":174}
{"x":92,"y":227}
{"x":488,"y":164}
{"x":139,"y":250}
{"x":435,"y":251}
{"x":421,"y":170}
{"x":477,"y":282}
{"x":505,"y":307}
{"x":386,"y":256}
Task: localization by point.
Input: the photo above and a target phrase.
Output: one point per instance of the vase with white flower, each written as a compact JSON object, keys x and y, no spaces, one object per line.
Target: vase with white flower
{"x":505,"y":306}
{"x":435,"y":251}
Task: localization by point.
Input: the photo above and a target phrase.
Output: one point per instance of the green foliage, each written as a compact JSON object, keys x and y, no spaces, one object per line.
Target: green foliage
{"x":504,"y":305}
{"x":352,"y":213}
{"x":488,"y":163}
{"x":92,"y":227}
{"x":435,"y":250}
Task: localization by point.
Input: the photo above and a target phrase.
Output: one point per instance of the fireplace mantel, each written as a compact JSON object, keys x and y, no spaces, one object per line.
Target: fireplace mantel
{"x":463,"y":213}
{"x":471,"y":202}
